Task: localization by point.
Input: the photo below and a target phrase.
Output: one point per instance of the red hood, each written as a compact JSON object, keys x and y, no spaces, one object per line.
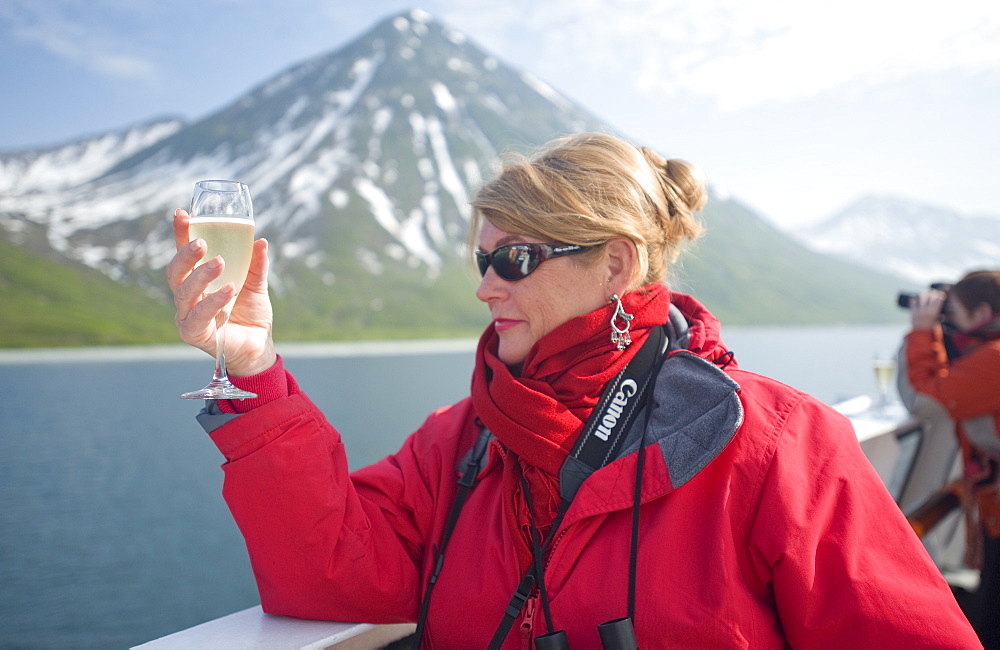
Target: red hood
{"x":706,"y":330}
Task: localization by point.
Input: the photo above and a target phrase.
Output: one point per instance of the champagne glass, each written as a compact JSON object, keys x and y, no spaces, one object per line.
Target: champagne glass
{"x":884,"y":371}
{"x":222,"y":215}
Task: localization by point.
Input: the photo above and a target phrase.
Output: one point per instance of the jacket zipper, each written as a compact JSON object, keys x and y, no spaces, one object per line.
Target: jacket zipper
{"x":552,"y":548}
{"x":528,"y":622}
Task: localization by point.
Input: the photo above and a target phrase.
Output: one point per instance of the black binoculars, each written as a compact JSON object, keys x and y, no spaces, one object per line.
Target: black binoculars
{"x":904,"y":300}
{"x":615,"y":635}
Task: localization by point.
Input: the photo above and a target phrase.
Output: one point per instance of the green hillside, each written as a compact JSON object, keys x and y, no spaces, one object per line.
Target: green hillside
{"x":50,"y":303}
{"x":399,"y":303}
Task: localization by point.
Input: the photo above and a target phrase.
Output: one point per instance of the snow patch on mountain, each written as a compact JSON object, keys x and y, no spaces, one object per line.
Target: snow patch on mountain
{"x":408,"y":231}
{"x":545,"y":90}
{"x":447,"y":174}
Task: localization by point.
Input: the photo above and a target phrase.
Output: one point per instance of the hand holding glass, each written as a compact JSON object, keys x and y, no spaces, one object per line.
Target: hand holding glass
{"x":222,"y":215}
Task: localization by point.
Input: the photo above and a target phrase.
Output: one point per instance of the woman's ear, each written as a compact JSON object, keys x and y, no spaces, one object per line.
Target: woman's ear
{"x":621,"y":260}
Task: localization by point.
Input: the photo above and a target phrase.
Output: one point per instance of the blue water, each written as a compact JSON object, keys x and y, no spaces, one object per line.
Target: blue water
{"x":112,"y":528}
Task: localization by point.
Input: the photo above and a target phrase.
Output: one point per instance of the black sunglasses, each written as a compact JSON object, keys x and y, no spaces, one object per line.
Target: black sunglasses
{"x":516,"y":261}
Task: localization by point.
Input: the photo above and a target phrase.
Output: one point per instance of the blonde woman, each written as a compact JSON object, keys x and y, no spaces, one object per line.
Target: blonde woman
{"x":611,"y":465}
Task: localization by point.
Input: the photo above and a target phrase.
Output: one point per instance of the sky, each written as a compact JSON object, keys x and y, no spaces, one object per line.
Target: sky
{"x":795,"y":107}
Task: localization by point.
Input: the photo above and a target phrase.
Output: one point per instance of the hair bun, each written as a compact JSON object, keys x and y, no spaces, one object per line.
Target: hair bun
{"x":688,"y":184}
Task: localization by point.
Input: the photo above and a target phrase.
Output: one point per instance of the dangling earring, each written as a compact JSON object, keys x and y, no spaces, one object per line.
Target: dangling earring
{"x":619,"y":335}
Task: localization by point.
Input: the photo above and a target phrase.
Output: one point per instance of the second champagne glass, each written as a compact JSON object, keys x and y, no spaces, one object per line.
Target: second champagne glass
{"x":884,"y":371}
{"x":222,"y":215}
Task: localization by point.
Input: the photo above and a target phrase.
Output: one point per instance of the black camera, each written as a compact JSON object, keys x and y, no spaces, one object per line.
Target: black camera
{"x":904,"y":299}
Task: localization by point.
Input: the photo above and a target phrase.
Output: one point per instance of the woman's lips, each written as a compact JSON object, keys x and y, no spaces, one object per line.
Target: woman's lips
{"x":501,"y":324}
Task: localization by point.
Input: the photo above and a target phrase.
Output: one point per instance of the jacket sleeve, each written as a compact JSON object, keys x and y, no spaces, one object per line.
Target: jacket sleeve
{"x":324,"y":543}
{"x":966,"y":387}
{"x":845,"y":568}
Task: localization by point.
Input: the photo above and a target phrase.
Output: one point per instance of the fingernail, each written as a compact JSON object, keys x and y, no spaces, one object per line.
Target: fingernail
{"x":214,"y":263}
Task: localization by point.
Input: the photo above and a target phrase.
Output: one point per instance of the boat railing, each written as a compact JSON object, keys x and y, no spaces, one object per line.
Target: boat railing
{"x":252,"y":628}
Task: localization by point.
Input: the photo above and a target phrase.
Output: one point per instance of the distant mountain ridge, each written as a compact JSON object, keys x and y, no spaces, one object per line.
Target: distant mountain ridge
{"x":362,"y":163}
{"x":73,"y":163}
{"x":919,"y":242}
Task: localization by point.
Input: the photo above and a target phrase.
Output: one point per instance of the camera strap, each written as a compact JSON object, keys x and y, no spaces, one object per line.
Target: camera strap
{"x":602,"y":436}
{"x":470,"y":468}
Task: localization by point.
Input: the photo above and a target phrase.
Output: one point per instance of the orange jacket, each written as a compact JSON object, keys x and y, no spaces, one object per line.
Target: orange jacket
{"x":968,"y":388}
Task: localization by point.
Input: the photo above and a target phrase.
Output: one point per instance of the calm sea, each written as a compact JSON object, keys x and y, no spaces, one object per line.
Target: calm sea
{"x":112,"y":528}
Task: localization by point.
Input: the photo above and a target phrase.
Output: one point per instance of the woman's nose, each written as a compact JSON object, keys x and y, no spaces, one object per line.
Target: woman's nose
{"x":491,"y":287}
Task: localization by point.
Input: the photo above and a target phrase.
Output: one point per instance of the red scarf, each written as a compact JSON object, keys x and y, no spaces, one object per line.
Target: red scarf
{"x":539,"y":414}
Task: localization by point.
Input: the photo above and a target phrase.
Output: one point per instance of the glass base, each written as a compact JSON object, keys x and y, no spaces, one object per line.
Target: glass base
{"x":219,"y":389}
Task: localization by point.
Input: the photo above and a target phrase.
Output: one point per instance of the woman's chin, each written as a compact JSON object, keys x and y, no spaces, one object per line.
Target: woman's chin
{"x":511,"y":354}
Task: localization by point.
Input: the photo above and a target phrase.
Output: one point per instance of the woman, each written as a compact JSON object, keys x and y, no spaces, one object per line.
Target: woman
{"x":729,"y":511}
{"x":967,"y":387}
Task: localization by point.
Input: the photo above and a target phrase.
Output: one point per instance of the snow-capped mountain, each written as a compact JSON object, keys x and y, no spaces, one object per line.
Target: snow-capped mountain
{"x":363,"y":155}
{"x":922,"y":243}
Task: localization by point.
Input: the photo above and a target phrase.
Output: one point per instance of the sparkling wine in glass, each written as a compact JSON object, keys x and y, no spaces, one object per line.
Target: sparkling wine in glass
{"x":222,"y":214}
{"x":884,"y":371}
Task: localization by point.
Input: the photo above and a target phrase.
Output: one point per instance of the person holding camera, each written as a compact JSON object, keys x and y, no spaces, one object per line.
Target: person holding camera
{"x":966,"y":384}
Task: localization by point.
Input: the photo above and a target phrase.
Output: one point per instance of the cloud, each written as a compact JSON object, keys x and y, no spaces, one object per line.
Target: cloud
{"x":82,"y":33}
{"x":742,"y":53}
{"x":853,"y":43}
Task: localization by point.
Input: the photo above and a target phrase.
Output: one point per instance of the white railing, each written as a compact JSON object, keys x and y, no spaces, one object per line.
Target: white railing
{"x":252,"y":628}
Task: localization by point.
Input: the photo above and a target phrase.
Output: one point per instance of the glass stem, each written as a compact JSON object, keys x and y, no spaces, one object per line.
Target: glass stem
{"x":220,"y":347}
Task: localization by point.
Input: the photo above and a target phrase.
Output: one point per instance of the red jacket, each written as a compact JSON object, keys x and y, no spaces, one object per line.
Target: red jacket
{"x":762,"y":525}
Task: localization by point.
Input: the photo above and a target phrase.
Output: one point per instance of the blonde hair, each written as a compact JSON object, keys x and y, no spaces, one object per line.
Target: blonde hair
{"x":589,"y":188}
